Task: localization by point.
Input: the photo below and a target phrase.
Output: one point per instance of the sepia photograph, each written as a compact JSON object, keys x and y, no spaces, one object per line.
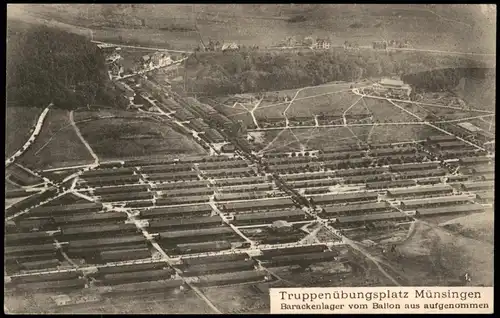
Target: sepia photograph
{"x":198,"y":158}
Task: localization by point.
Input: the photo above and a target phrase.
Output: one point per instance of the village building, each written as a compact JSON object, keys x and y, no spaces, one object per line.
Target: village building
{"x":322,"y":44}
{"x":391,"y":86}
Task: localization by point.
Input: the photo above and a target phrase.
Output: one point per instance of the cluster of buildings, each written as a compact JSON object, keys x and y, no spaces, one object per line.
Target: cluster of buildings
{"x":392,"y":87}
{"x":157,"y":59}
{"x":384,"y":45}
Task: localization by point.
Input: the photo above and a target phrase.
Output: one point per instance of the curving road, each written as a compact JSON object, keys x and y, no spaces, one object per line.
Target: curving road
{"x":77,"y":130}
{"x":31,"y":140}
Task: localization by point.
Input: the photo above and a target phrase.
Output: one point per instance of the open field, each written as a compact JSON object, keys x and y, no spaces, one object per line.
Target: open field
{"x":432,"y":256}
{"x":124,"y":138}
{"x":57,"y":145}
{"x":478,"y":226}
{"x":384,"y":111}
{"x":313,"y":138}
{"x":250,"y":24}
{"x":19,"y":122}
{"x":182,"y":303}
{"x":401,"y":133}
{"x":333,"y":104}
{"x":237,"y":299}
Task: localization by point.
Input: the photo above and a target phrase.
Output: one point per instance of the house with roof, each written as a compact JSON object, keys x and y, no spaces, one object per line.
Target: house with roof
{"x":392,"y":86}
{"x":322,"y":44}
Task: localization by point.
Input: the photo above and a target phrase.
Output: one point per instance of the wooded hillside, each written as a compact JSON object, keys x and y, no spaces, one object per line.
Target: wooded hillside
{"x":49,"y":65}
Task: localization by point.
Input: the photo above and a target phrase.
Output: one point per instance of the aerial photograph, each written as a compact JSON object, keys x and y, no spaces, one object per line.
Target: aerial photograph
{"x":187,"y":158}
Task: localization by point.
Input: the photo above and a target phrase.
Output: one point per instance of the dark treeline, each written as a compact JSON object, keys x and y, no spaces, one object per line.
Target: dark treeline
{"x":49,"y":65}
{"x":445,"y":79}
{"x":254,"y":71}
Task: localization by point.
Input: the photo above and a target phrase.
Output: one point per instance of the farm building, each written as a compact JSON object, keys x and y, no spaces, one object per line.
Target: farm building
{"x":264,"y":217}
{"x":241,"y":196}
{"x":296,"y":167}
{"x":124,"y":255}
{"x":414,"y":166}
{"x":450,"y":209}
{"x":216,"y":268}
{"x":173,"y":176}
{"x":420,"y":191}
{"x":182,"y":185}
{"x":360,"y":171}
{"x":107,"y":242}
{"x":316,"y":190}
{"x":309,"y":176}
{"x":21,"y":238}
{"x":166,"y":168}
{"x":381,"y":152}
{"x":343,"y":164}
{"x":368,"y":178}
{"x":111,"y":180}
{"x":135,"y":277}
{"x":344,"y":197}
{"x":174,"y":211}
{"x":69,"y":284}
{"x":391,"y":86}
{"x":213,"y":136}
{"x":114,"y":229}
{"x":340,"y":155}
{"x":232,"y":278}
{"x":269,"y":253}
{"x":457,"y":178}
{"x":147,"y":162}
{"x":188,"y":192}
{"x":422,"y":173}
{"x":103,"y":269}
{"x":473,"y":160}
{"x":107,"y":172}
{"x":266,"y":204}
{"x":139,"y":204}
{"x":182,"y":200}
{"x":474,"y":186}
{"x":429,"y":181}
{"x":451,"y":144}
{"x":245,"y":188}
{"x":240,"y":181}
{"x":303,"y":259}
{"x":215,"y":258}
{"x":41,"y":264}
{"x":17,"y":193}
{"x":228,"y":148}
{"x":66,"y":209}
{"x":197,"y":235}
{"x":49,"y":277}
{"x":359,"y":220}
{"x":80,"y":219}
{"x":458,"y":153}
{"x":354,"y":209}
{"x":33,"y":249}
{"x":440,"y":138}
{"x":188,"y":223}
{"x":436,"y":201}
{"x":243,"y":171}
{"x":146,"y":287}
{"x":222,"y":164}
{"x":314,"y":183}
{"x":203,"y":247}
{"x":121,"y":197}
{"x":121,"y":189}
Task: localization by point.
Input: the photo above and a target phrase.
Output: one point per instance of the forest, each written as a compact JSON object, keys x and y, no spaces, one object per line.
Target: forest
{"x":446,"y":78}
{"x":47,"y":65}
{"x":256,"y":71}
